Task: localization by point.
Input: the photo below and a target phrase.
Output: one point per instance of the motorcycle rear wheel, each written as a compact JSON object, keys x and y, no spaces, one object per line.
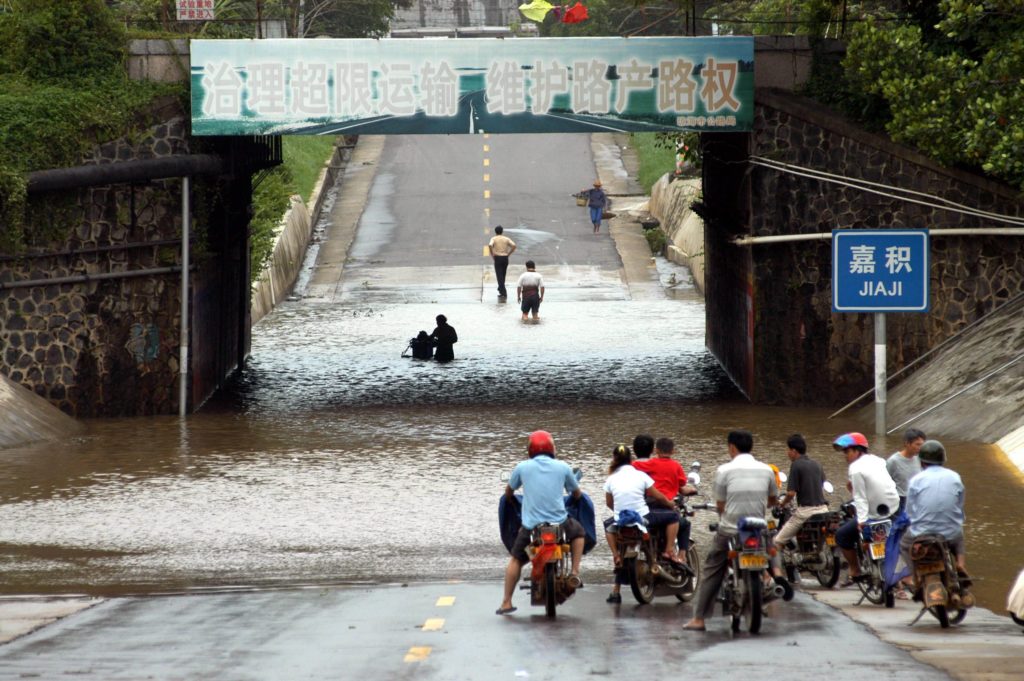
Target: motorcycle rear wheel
{"x":550,"y":599}
{"x":755,"y":600}
{"x":693,"y":560}
{"x":829,"y":576}
{"x":641,"y":579}
{"x":947,"y":616}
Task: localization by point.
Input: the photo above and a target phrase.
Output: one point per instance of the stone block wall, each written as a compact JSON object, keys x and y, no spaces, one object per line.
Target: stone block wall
{"x":805,"y":354}
{"x":90,"y":322}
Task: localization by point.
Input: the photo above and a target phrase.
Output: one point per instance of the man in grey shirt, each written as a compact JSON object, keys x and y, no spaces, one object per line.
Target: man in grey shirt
{"x":743,"y":487}
{"x":904,"y":464}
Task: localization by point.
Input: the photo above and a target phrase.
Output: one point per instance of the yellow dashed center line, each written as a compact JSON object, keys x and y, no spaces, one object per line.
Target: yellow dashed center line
{"x":487,"y":193}
{"x":417,"y":654}
{"x":487,"y":177}
{"x":487,"y":162}
{"x":445,"y":601}
{"x":433,"y":624}
{"x":487,"y":147}
{"x":487,"y":212}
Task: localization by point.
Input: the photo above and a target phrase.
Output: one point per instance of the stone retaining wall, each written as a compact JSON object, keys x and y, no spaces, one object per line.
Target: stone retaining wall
{"x":670,"y":203}
{"x":803,"y":353}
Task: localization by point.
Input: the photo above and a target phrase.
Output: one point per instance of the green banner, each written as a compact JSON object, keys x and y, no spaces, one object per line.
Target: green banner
{"x":446,"y":86}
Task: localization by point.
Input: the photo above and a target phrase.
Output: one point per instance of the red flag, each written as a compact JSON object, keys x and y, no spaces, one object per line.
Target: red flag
{"x":575,"y":14}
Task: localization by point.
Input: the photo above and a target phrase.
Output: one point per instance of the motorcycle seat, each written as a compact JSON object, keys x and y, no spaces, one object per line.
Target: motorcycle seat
{"x":752,"y":523}
{"x":820,"y":518}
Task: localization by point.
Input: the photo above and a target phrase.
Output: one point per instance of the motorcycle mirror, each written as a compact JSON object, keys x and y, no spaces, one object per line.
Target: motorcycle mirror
{"x":783,"y":477}
{"x":827,"y":486}
{"x":577,"y":472}
{"x":505,"y":476}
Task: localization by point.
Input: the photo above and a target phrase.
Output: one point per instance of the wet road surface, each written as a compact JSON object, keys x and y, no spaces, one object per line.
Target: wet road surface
{"x":439,"y":631}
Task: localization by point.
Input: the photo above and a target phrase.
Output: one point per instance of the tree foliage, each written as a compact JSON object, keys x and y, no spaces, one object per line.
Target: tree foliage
{"x":249,"y":18}
{"x":955,"y":90}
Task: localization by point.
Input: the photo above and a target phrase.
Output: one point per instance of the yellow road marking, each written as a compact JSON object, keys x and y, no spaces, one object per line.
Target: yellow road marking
{"x":445,"y":601}
{"x":417,"y":654}
{"x":487,"y":249}
{"x":487,"y":135}
{"x":487,"y":212}
{"x":487,"y":193}
{"x":487,"y":147}
{"x":487,"y":177}
{"x":433,"y":624}
{"x":487,"y":162}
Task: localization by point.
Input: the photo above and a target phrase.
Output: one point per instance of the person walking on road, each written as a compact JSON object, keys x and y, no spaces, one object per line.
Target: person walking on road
{"x":597,"y":201}
{"x":443,"y":338}
{"x":530,"y":291}
{"x":501,"y":247}
{"x":743,"y":487}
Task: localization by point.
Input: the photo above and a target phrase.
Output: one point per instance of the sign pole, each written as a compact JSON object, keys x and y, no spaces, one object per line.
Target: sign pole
{"x":880,"y":376}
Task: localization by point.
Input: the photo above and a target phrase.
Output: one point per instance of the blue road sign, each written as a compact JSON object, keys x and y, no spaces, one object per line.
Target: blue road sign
{"x":880,"y":270}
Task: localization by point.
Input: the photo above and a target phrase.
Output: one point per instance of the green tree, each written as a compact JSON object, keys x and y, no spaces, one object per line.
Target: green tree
{"x":954,"y":91}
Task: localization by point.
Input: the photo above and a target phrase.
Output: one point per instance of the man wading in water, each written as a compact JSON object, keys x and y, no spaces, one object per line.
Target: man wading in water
{"x":530,"y":291}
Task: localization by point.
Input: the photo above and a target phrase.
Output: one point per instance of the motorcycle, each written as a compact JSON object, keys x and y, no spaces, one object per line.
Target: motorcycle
{"x":871,"y":557}
{"x":938,"y":585}
{"x":744,"y":590}
{"x":1015,"y":600}
{"x":647,"y":572}
{"x":815,"y":550}
{"x":550,"y":582}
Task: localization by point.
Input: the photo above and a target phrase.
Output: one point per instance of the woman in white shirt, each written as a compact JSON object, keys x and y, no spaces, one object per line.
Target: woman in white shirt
{"x":626,"y":489}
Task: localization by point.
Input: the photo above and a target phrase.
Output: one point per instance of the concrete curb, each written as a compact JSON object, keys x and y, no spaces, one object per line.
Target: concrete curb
{"x":986,"y":647}
{"x":21,"y":616}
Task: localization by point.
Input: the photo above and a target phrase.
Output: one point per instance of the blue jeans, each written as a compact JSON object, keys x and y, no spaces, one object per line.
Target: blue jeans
{"x":595,"y":214}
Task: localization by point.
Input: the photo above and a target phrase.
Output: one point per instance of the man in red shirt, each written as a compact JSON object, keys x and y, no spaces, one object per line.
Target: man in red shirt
{"x":669,"y":479}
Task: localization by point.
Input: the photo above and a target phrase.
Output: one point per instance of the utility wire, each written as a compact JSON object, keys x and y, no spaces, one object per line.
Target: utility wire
{"x":866,"y":186}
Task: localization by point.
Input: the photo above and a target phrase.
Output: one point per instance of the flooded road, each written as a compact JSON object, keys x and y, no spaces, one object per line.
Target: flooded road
{"x":333,"y":459}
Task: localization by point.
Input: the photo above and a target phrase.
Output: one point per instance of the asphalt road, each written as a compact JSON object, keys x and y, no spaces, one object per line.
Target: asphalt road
{"x":434,"y":203}
{"x":444,"y":631}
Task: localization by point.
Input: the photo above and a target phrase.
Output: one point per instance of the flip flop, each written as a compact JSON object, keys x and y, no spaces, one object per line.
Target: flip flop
{"x":505,"y":611}
{"x":687,"y":627}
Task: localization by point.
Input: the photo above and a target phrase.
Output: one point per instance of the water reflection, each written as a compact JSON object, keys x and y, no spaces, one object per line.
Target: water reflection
{"x":333,"y":459}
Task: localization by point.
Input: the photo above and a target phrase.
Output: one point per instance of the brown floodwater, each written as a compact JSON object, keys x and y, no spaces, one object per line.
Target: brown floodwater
{"x":332,"y":459}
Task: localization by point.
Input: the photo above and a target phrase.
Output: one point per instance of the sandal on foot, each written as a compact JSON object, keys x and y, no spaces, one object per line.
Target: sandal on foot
{"x":574,"y":582}
{"x":505,"y":611}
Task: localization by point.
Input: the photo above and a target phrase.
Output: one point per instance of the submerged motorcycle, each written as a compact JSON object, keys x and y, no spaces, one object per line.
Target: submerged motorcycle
{"x":647,"y":572}
{"x":550,"y":582}
{"x":938,"y":585}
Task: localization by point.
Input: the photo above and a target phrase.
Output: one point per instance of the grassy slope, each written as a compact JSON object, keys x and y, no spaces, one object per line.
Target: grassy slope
{"x":304,"y":157}
{"x":654,"y":161}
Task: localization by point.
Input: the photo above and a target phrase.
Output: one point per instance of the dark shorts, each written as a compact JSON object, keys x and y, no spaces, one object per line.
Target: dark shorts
{"x":572,"y":530}
{"x":531,"y":303}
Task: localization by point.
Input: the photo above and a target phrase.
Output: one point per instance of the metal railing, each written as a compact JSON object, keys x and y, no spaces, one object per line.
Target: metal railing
{"x":1005,"y":306}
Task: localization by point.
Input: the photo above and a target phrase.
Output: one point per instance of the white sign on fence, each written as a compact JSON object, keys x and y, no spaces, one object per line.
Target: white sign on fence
{"x":195,"y":10}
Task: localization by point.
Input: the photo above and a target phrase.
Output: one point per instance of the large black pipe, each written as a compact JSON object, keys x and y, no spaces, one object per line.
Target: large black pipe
{"x":126,"y":172}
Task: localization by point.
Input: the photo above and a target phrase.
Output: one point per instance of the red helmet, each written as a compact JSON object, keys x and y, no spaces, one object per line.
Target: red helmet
{"x":541,"y":442}
{"x":850,"y":440}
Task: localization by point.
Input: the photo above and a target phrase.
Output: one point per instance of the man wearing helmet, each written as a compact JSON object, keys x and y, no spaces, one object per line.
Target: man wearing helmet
{"x":935,"y":503}
{"x":542,"y":478}
{"x":874,"y":495}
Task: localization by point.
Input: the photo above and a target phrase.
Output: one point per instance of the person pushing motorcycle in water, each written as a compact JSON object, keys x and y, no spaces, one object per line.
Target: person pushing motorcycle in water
{"x":542,"y":478}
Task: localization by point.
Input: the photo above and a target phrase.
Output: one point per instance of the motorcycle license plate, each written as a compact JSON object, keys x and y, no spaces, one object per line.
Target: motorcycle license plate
{"x":830,"y":540}
{"x":753,"y":561}
{"x":878,"y":550}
